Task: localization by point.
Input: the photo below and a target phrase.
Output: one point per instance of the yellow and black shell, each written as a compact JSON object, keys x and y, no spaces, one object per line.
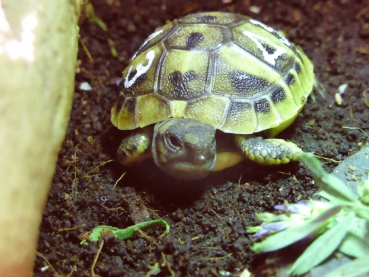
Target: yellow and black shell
{"x":225,"y":69}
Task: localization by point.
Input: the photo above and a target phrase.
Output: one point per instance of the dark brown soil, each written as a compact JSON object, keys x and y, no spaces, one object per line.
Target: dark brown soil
{"x":208,"y":218}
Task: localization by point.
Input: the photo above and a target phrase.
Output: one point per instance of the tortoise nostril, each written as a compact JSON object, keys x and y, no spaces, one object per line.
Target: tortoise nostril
{"x":200,"y":159}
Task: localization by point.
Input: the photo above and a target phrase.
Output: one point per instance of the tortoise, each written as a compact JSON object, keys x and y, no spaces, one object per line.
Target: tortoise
{"x":208,"y":90}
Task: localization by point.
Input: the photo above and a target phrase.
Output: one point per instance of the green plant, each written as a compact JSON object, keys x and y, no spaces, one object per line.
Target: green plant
{"x":338,"y":222}
{"x":128,"y":232}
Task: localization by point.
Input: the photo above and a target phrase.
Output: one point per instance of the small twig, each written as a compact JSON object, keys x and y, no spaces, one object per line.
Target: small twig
{"x":72,"y":270}
{"x":351,"y":112}
{"x":328,"y":159}
{"x":82,"y":41}
{"x":146,"y":236}
{"x":71,"y":228}
{"x":196,"y":238}
{"x":119,"y":180}
{"x":115,"y":209}
{"x":361,"y":12}
{"x":218,"y":258}
{"x":56,"y":274}
{"x":103,"y":163}
{"x":95,"y":259}
{"x":366,"y":97}
{"x":355,"y":128}
{"x":48,"y":263}
{"x":165,"y":262}
{"x":217,"y":215}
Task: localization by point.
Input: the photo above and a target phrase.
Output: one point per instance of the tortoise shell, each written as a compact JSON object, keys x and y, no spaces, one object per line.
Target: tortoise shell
{"x":224,"y":69}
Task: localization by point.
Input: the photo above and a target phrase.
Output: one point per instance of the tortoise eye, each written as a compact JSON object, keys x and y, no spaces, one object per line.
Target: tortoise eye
{"x":173,"y":142}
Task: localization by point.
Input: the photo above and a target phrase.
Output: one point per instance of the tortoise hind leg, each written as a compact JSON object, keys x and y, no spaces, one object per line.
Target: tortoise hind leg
{"x":136,"y":147}
{"x":268,"y":151}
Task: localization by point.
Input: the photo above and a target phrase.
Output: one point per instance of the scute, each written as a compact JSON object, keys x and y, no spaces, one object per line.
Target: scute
{"x":265,"y":46}
{"x":139,"y":77}
{"x":237,"y":73}
{"x":209,"y":109}
{"x":196,"y":37}
{"x":240,"y":118}
{"x":183,"y":74}
{"x":155,"y":38}
{"x":225,"y":69}
{"x":211,"y":18}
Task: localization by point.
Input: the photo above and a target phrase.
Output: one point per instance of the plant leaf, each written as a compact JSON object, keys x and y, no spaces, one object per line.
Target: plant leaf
{"x":154,"y":270}
{"x":128,"y":232}
{"x":336,"y":187}
{"x":354,"y":246}
{"x":360,"y":228}
{"x":322,"y":247}
{"x":328,"y":182}
{"x":294,"y":234}
{"x":354,"y":268}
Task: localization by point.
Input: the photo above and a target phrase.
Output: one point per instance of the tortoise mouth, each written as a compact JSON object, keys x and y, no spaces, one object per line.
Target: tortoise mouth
{"x":190,"y":167}
{"x":188,"y":170}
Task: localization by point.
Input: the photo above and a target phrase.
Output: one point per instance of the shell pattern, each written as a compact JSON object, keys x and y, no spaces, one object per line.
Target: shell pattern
{"x":225,"y":69}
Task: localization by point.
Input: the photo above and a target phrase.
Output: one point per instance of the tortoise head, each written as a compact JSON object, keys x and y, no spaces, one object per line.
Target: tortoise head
{"x":184,"y":148}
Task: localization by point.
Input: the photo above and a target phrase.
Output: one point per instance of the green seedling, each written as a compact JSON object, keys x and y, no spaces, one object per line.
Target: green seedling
{"x":128,"y":232}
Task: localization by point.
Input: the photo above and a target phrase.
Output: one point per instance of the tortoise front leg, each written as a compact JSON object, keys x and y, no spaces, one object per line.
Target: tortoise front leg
{"x":136,"y":147}
{"x":270,"y":151}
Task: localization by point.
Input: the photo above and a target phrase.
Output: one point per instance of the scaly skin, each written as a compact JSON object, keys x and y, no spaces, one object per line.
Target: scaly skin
{"x":136,"y":147}
{"x":268,"y":151}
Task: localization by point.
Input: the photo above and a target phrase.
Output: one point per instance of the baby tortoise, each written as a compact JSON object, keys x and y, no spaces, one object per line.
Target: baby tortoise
{"x":206,"y":76}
